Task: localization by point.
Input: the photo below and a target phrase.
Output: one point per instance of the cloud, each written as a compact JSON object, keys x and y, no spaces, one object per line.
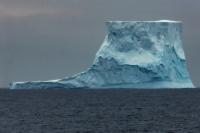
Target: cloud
{"x":23,"y":8}
{"x":23,"y":12}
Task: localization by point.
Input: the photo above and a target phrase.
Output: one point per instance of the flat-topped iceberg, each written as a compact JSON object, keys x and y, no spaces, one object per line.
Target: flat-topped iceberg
{"x":134,"y":54}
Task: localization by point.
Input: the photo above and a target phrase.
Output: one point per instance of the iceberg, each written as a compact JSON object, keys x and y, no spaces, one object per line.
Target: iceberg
{"x":134,"y":54}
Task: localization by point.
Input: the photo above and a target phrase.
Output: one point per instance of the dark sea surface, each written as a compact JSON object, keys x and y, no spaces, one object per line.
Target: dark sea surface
{"x":100,"y":111}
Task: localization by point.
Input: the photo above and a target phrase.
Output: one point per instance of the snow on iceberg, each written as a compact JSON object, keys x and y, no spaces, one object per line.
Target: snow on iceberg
{"x":134,"y":54}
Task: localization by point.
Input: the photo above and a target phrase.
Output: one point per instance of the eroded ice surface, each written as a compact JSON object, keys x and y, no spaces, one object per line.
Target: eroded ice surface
{"x":134,"y":54}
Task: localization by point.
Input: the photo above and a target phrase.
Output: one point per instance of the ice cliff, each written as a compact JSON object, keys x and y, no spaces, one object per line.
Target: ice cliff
{"x":134,"y":54}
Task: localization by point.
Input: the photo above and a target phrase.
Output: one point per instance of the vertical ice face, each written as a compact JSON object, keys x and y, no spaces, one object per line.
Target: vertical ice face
{"x":134,"y":54}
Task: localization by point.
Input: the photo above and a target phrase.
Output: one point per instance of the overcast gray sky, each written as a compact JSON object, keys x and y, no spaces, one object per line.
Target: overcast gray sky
{"x":49,"y":39}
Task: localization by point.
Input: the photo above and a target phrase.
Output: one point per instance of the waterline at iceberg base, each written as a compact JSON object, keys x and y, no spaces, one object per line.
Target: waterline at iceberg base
{"x":134,"y":54}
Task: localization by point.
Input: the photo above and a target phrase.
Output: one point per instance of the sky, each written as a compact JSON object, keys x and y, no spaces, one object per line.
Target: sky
{"x":50,"y":39}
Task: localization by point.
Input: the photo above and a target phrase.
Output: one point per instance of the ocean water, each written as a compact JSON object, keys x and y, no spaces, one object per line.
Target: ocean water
{"x":100,"y":111}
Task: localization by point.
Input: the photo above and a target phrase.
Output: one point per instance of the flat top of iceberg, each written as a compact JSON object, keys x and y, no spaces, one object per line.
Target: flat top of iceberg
{"x":156,"y":21}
